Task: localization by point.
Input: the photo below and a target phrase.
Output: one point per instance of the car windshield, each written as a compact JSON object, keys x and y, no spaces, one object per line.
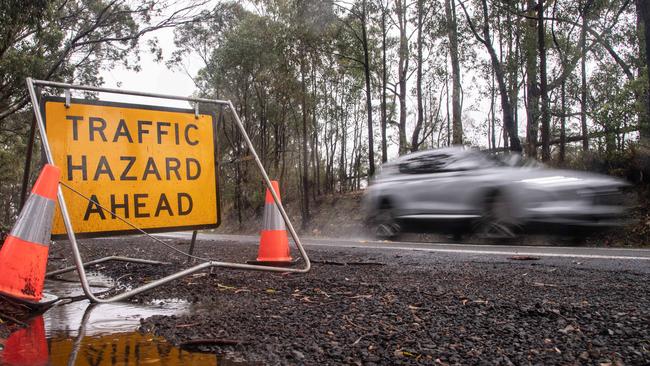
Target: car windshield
{"x":482,"y":160}
{"x":441,"y":161}
{"x":518,"y":161}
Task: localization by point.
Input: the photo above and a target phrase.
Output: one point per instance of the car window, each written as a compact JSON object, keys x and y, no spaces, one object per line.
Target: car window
{"x":441,"y":162}
{"x":425,"y":164}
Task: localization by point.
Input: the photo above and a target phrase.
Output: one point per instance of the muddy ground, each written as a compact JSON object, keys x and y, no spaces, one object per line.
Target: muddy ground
{"x":369,"y":307}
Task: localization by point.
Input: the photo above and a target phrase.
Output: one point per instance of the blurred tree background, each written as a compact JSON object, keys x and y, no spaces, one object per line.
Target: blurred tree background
{"x":329,"y":90}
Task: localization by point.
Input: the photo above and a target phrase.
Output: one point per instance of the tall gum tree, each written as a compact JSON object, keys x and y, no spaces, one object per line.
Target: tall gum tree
{"x":532,"y":91}
{"x":506,"y":105}
{"x":452,"y":34}
{"x":401,"y":9}
{"x":643,"y":11}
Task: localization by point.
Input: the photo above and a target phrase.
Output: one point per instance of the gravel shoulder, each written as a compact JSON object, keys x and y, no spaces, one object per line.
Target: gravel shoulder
{"x":383,"y":307}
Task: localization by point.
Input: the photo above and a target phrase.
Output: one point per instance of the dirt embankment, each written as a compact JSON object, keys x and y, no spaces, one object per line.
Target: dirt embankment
{"x":335,"y":216}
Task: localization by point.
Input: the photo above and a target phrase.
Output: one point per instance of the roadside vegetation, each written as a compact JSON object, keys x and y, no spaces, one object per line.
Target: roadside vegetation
{"x":329,"y":90}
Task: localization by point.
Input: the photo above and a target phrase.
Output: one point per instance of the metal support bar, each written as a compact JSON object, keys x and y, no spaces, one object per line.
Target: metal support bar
{"x":66,"y":217}
{"x":67,"y":97}
{"x":28,"y":159}
{"x":105,"y":259}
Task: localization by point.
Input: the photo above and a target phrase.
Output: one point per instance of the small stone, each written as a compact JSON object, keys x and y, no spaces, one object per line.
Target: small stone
{"x":298,"y":355}
{"x":567,"y":329}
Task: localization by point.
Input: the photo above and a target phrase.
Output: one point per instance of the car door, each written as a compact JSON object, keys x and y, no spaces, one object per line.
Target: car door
{"x":419,"y":173}
{"x":441,"y":185}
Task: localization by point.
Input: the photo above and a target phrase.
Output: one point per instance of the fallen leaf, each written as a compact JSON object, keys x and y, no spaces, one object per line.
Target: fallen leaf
{"x":540,"y":284}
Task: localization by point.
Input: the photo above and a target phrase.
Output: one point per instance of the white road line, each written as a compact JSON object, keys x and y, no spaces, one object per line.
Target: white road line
{"x":528,"y":251}
{"x":470,"y":251}
{"x":381,"y":244}
{"x":487,"y":245}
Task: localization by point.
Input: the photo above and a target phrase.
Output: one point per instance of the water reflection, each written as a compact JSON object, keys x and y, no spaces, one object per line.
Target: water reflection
{"x":29,"y":346}
{"x":26,"y":346}
{"x":80,"y":333}
{"x":122,"y":349}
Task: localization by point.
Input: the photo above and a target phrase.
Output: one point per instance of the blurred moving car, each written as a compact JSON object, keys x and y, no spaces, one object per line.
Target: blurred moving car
{"x":460,"y":190}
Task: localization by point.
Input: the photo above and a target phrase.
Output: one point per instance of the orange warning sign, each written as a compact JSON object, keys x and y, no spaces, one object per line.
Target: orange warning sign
{"x":154,"y":166}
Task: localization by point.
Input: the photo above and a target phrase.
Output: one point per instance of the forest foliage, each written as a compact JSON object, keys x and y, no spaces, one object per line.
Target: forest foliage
{"x":329,"y":90}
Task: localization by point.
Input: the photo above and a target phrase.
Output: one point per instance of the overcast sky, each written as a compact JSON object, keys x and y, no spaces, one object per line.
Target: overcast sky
{"x":154,"y":77}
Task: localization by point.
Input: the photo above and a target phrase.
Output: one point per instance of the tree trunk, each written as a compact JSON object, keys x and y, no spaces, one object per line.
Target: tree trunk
{"x":532,"y":93}
{"x":492,"y":135}
{"x":447,"y":101}
{"x":366,"y":69}
{"x":314,"y":150}
{"x":384,"y":80}
{"x":400,"y":9}
{"x":415,"y":138}
{"x":305,"y":137}
{"x":563,"y":123}
{"x":513,"y":62}
{"x":546,"y":115}
{"x":643,"y":11}
{"x":583,"y":77}
{"x":344,"y":139}
{"x":452,"y":34}
{"x":506,"y":106}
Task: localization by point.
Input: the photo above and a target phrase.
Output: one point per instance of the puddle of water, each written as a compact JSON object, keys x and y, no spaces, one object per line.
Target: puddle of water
{"x":80,"y":333}
{"x":30,"y":346}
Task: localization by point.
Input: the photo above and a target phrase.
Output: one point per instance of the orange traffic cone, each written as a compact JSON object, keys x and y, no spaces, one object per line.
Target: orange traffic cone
{"x":274,"y":244}
{"x":26,"y":347}
{"x":23,"y":256}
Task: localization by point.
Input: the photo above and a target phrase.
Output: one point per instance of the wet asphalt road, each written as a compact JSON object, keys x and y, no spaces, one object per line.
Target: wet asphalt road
{"x":386,"y":303}
{"x":616,"y":259}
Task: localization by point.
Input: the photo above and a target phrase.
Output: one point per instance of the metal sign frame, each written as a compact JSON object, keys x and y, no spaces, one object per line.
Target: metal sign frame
{"x":79,"y":263}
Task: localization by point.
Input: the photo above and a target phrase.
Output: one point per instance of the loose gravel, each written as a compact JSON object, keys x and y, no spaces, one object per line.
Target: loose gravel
{"x":382,"y":307}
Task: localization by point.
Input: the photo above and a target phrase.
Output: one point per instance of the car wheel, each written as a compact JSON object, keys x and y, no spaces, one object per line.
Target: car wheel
{"x":383,"y":225}
{"x":497,"y":220}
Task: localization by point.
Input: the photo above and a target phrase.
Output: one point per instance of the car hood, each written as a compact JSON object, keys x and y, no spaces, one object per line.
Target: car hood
{"x":544,"y":178}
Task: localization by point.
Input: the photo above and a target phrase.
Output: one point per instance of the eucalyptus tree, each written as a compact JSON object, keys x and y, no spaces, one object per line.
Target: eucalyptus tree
{"x":452,"y":34}
{"x":423,"y":27}
{"x":486,"y":39}
{"x":356,"y":22}
{"x":71,"y":40}
{"x":401,"y":9}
